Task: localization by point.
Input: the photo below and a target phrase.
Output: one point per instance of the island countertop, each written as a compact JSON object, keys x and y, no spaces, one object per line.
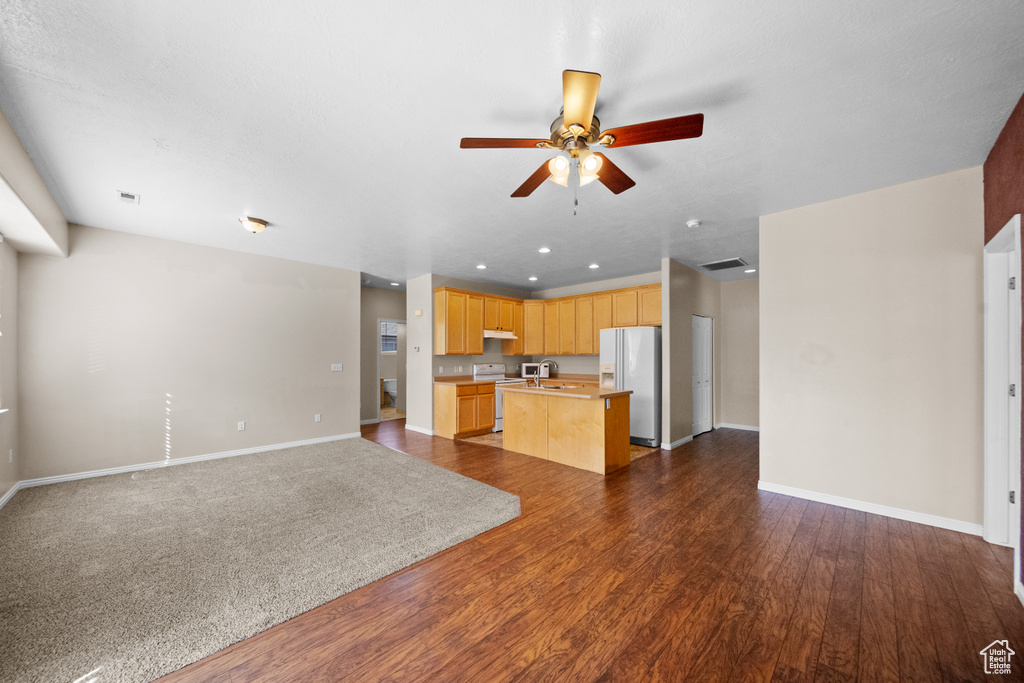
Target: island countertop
{"x":571,"y":392}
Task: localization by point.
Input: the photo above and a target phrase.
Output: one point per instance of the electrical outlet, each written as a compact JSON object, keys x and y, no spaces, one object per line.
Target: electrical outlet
{"x":336,"y":367}
{"x":316,"y":418}
{"x":241,"y":426}
{"x":458,"y":369}
{"x":440,"y":369}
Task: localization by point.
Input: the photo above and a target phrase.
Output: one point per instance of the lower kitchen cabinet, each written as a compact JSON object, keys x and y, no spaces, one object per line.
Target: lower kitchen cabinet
{"x":462,"y":410}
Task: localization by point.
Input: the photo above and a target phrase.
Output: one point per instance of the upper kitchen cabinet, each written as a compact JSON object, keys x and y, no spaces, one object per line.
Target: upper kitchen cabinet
{"x":585,"y":325}
{"x":474,"y":325}
{"x":552,"y":327}
{"x":602,"y":316}
{"x":458,"y":323}
{"x":514,"y":347}
{"x":649,"y":304}
{"x":567,"y":327}
{"x":450,"y":322}
{"x":498,"y":313}
{"x":624,"y":313}
{"x":533,"y":328}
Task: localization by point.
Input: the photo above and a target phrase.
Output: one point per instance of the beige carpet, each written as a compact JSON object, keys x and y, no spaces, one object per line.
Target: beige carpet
{"x":131,"y":576}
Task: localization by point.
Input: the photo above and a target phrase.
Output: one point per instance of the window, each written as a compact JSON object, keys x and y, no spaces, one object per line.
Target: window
{"x":388,"y":337}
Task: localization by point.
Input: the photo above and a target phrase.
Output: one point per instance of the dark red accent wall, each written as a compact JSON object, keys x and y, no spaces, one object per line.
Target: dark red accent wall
{"x":1004,"y":192}
{"x":1004,"y":174}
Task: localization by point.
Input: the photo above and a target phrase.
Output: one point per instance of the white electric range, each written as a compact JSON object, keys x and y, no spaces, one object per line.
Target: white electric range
{"x":495,"y":372}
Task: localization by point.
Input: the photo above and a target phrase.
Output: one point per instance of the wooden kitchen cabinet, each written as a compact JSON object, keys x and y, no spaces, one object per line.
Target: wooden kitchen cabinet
{"x":490,"y":313}
{"x":533,"y":328}
{"x":514,"y":347}
{"x":506,"y":308}
{"x":624,"y":308}
{"x":462,"y":410}
{"x":458,"y":323}
{"x":552,"y":327}
{"x":567,"y":326}
{"x":450,"y":322}
{"x":585,"y":325}
{"x":602,"y":318}
{"x":649,"y":305}
{"x":474,"y":325}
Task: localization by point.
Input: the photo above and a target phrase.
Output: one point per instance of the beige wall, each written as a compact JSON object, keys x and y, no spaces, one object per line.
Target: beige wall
{"x":685,"y":293}
{"x":739,"y":350}
{"x":136,"y":349}
{"x":375,"y":304}
{"x":9,"y":471}
{"x":871,"y":346}
{"x":600,"y":286}
{"x":419,"y":407}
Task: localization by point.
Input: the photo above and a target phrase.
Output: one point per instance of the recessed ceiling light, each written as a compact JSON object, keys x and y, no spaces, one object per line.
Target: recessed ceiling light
{"x":481,"y":267}
{"x":544,"y":250}
{"x":394,"y":284}
{"x":594,"y":265}
{"x":752,"y":270}
{"x":693,"y":223}
{"x":532,"y":279}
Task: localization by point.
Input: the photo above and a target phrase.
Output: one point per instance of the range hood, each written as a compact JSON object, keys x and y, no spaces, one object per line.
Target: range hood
{"x":499,"y":334}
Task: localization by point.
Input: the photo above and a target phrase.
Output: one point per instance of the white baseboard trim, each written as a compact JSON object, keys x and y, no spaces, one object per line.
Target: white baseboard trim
{"x":371,"y":421}
{"x":1018,"y":590}
{"x":10,"y":494}
{"x":874,"y":508}
{"x":421,"y":430}
{"x":676,"y":444}
{"x":730,"y":425}
{"x":43,"y":481}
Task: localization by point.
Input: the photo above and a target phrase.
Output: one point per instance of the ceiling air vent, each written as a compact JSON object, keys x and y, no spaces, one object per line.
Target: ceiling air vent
{"x":722,"y":265}
{"x":128,"y":197}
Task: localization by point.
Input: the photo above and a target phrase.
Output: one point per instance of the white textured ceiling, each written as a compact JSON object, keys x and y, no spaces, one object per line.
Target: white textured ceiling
{"x":339,"y":122}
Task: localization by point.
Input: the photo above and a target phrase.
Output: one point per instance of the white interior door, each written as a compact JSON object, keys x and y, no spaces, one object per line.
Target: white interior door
{"x":702,"y":372}
{"x":1003,"y":389}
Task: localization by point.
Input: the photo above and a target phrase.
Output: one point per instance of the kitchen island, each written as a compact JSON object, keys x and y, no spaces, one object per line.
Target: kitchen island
{"x":583,"y":427}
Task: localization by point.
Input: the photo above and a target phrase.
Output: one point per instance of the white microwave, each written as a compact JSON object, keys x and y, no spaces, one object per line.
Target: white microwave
{"x":531,"y":370}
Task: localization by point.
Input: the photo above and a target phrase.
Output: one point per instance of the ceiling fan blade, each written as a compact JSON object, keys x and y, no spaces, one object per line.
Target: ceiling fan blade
{"x":678,"y":128}
{"x":579,"y":97}
{"x":612,"y":176}
{"x":494,"y":143}
{"x":534,"y":181}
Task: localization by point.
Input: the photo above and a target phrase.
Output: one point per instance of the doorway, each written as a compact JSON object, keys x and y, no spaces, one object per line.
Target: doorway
{"x":1002,"y":389}
{"x":391,"y":369}
{"x":703,"y":364}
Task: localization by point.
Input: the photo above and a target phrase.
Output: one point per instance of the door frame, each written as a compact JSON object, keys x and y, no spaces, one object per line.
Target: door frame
{"x":379,"y":352}
{"x":1002,"y":425}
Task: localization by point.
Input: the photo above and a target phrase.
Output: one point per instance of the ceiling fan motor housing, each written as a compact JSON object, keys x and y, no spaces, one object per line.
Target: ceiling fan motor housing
{"x":563,"y":138}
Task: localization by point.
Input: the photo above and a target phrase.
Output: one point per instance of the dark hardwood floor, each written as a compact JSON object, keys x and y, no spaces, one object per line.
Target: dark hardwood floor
{"x":675,"y":568}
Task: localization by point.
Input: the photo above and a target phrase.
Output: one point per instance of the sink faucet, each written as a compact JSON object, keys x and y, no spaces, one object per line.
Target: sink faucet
{"x":549,"y":363}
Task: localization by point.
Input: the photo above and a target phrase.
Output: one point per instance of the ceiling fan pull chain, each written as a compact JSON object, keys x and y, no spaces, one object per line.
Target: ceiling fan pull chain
{"x":574,"y":181}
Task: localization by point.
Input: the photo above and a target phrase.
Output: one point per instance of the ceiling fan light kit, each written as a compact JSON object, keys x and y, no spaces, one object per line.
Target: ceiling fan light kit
{"x":577,"y":130}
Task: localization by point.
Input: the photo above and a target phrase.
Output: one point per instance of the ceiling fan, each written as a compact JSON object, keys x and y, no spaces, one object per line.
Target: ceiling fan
{"x":577,"y":130}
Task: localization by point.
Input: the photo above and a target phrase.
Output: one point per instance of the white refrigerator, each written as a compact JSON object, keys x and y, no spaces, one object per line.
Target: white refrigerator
{"x":631,"y":361}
